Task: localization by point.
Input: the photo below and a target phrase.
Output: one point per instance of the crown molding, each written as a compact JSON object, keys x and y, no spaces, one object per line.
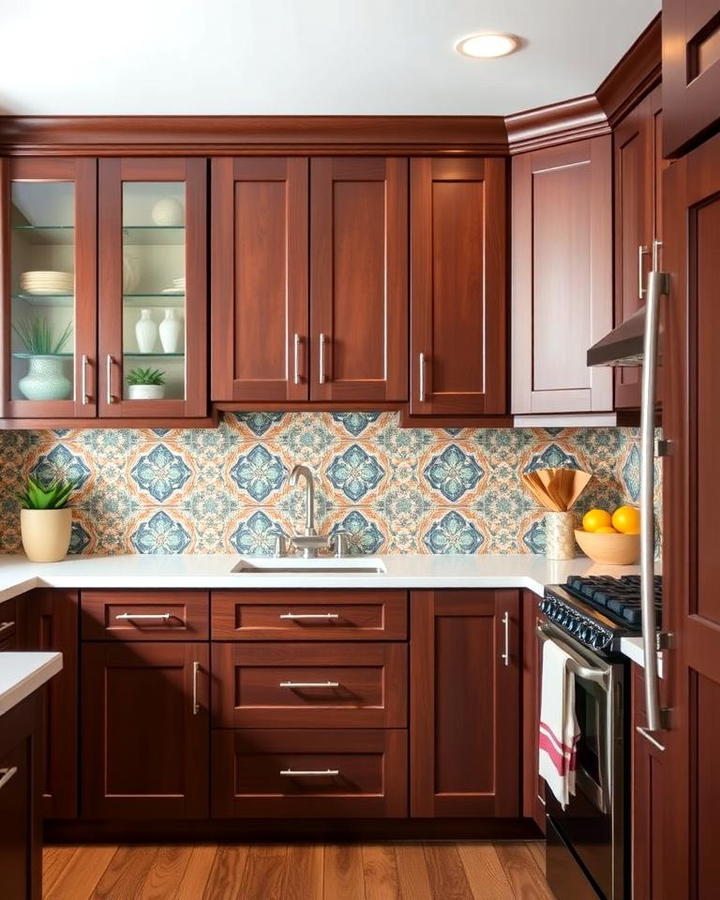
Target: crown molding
{"x":559,"y":123}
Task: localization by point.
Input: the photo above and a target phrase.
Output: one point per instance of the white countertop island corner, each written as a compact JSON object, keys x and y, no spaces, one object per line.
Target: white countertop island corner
{"x":22,"y":673}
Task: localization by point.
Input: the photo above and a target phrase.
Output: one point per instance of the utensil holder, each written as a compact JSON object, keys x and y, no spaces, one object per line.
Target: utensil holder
{"x":560,"y":535}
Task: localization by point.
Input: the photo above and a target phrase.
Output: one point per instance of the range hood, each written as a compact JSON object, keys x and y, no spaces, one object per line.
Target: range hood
{"x":623,"y":346}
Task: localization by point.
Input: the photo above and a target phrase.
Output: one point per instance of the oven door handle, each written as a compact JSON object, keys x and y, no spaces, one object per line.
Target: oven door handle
{"x":576,"y":664}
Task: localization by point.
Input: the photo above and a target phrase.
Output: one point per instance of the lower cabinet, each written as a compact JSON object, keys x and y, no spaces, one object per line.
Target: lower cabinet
{"x":144,"y":750}
{"x":533,"y":806}
{"x":464,"y":703}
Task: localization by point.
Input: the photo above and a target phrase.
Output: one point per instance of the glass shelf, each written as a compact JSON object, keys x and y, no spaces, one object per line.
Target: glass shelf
{"x":159,"y":355}
{"x":43,"y":355}
{"x":137,"y":300}
{"x":46,"y":299}
{"x":47,"y":234}
{"x":154,"y":234}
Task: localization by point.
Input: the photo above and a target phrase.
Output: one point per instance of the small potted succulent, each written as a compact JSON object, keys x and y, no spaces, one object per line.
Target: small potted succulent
{"x":46,"y":519}
{"x":146,"y":384}
{"x":45,"y":379}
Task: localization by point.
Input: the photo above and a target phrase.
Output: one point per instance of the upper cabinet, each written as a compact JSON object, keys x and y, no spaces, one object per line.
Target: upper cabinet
{"x":691,"y":72}
{"x":637,"y":147}
{"x":561,"y":277}
{"x":458,"y":305}
{"x":49,"y":287}
{"x":309,"y":297}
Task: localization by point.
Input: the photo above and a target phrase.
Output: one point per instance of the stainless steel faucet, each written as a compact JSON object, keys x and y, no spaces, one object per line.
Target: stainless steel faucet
{"x":295,"y":475}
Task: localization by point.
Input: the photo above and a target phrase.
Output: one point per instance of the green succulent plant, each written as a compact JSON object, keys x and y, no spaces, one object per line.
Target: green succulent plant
{"x":146,"y":376}
{"x":38,"y":495}
{"x":38,"y":336}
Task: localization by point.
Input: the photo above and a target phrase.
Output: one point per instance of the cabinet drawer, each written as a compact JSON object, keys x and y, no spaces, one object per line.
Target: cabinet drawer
{"x":356,"y":773}
{"x":8,"y":625}
{"x":309,"y":685}
{"x":309,"y":615}
{"x":144,"y":615}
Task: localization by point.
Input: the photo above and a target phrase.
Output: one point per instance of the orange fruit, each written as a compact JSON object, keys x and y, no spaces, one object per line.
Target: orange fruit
{"x":595,"y":519}
{"x":606,"y":529}
{"x":626,"y":519}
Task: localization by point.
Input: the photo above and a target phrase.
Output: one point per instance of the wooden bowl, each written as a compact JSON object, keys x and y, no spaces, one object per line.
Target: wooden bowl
{"x":611,"y":549}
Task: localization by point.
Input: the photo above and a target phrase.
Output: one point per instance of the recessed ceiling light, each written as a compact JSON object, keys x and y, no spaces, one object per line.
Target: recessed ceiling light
{"x":488,"y":45}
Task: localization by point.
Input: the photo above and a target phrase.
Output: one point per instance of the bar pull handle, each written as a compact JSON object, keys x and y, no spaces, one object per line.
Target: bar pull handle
{"x":131,"y":617}
{"x":300,"y":616}
{"x":642,"y":290}
{"x":321,"y":359}
{"x":296,"y":359}
{"x":421,"y":377}
{"x":310,"y":773}
{"x":643,"y":732}
{"x":506,"y":628}
{"x":6,"y":626}
{"x":84,"y":362}
{"x":309,"y":684}
{"x":108,"y":375}
{"x":6,"y":775}
{"x":195,"y":704}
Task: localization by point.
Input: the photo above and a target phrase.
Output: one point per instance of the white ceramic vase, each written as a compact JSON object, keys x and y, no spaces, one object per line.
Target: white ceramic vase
{"x":146,"y":331}
{"x":45,"y":380}
{"x":170,"y":332}
{"x":168,"y":211}
{"x":45,"y":533}
{"x":146,"y":391}
{"x":560,"y":535}
{"x":131,"y":271}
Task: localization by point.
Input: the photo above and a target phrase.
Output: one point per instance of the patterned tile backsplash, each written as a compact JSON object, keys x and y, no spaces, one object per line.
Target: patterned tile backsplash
{"x":394,"y":490}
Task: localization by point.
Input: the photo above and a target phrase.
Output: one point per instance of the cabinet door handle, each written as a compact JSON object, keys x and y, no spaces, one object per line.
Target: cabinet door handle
{"x":421,"y":377}
{"x":296,"y":359}
{"x":6,"y":626}
{"x":293,"y":616}
{"x":642,"y":251}
{"x":309,"y":684}
{"x":311,"y":773}
{"x":108,"y":375}
{"x":6,"y":775}
{"x":321,"y":359}
{"x":83,"y":379}
{"x":195,"y":704}
{"x":506,"y":627}
{"x":130,"y":617}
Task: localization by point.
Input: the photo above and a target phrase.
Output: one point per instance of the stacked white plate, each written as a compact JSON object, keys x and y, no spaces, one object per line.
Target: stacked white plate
{"x":177,"y":288}
{"x":45,"y":283}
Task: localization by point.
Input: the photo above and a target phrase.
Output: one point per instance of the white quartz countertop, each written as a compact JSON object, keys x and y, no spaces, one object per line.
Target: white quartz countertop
{"x":17,"y":575}
{"x":23,"y":673}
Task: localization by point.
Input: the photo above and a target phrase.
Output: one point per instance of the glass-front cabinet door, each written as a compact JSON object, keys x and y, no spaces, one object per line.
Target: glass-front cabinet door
{"x":152,"y":277}
{"x":49,"y":286}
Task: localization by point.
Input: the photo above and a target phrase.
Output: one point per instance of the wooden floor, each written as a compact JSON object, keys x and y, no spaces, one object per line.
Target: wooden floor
{"x":466,"y":871}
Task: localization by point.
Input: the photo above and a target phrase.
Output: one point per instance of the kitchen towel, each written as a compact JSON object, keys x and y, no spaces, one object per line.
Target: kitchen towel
{"x":559,"y":730}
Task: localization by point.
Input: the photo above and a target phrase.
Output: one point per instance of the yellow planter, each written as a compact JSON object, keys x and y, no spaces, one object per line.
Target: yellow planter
{"x":45,"y":533}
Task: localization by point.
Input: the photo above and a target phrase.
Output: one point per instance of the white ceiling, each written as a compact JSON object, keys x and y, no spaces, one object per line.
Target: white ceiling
{"x":333,"y":57}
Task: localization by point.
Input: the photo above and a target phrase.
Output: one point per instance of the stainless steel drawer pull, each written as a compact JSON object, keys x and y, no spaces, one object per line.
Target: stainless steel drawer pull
{"x":6,"y":775}
{"x":642,"y":251}
{"x":644,"y":732}
{"x":6,"y":626}
{"x":296,"y":359}
{"x":309,"y":684}
{"x":83,"y":379}
{"x":292,"y":616}
{"x":321,"y":359}
{"x":505,"y":656}
{"x":541,"y":799}
{"x":316,"y":773}
{"x":130,"y":617}
{"x":421,"y":377}
{"x":108,"y":377}
{"x":196,"y":705}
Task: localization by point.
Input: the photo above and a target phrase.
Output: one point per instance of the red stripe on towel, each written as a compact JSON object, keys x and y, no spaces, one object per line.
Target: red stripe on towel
{"x":558,"y":743}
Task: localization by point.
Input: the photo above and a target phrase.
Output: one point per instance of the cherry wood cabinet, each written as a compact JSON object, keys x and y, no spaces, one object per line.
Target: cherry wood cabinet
{"x":309,"y":279}
{"x":638,"y":164}
{"x":691,"y":72}
{"x":533,"y":786}
{"x":8,"y":625}
{"x":458,"y":295}
{"x":145,"y":730}
{"x":561,"y":277}
{"x":138,"y":615}
{"x":49,"y":621}
{"x":464,"y":703}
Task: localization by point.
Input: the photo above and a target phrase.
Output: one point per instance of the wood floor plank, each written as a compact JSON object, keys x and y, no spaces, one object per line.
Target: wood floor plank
{"x":79,"y":877}
{"x":264,"y":873}
{"x":537,"y":851}
{"x":447,"y":875}
{"x":526,"y":879}
{"x":304,"y":872}
{"x":343,"y":872}
{"x":166,"y":872}
{"x":485,"y":873}
{"x":380,"y":872}
{"x":226,"y":876}
{"x":197,"y":873}
{"x":125,"y":875}
{"x":54,"y":861}
{"x":413,"y":872}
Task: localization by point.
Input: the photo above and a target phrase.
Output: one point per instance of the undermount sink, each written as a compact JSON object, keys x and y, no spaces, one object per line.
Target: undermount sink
{"x":293,"y":566}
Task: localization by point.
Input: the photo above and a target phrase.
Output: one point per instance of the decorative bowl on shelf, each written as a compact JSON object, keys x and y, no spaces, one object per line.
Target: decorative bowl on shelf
{"x":611,"y":549}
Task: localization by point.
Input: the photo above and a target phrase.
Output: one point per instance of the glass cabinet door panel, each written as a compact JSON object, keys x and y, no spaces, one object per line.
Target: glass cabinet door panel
{"x":50,"y":289}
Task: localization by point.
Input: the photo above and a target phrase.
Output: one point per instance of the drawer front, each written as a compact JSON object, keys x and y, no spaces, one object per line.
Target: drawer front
{"x":301,"y":774}
{"x":8,"y":625}
{"x":309,"y":615}
{"x":303,"y":685}
{"x":145,"y":615}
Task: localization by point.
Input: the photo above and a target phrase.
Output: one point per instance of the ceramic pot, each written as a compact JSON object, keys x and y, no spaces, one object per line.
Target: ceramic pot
{"x":559,"y":535}
{"x":168,"y":211}
{"x":170,"y":331}
{"x":131,"y":271}
{"x":146,"y":332}
{"x":45,"y":380}
{"x":146,"y":391}
{"x":45,"y":533}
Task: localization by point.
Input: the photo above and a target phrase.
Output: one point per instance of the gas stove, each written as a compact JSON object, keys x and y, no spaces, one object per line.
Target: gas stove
{"x":598,"y":611}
